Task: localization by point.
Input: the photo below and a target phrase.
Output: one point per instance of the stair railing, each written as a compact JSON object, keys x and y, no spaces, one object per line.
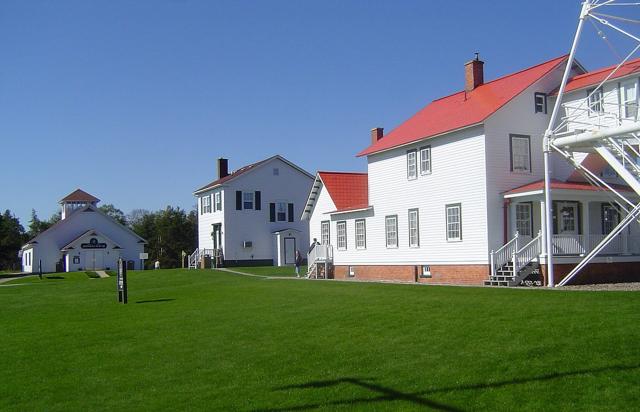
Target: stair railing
{"x":527,"y":254}
{"x":502,"y":256}
{"x":193,"y":259}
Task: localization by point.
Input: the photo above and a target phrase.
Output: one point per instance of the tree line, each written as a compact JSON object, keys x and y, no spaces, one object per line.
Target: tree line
{"x":168,"y":233}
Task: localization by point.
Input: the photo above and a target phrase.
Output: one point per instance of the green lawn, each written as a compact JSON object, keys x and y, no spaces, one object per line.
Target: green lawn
{"x":208,"y":340}
{"x":271,"y":270}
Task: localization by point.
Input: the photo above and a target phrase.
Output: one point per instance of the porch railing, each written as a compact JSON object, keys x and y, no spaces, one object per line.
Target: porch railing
{"x":572,"y":245}
{"x":320,"y":253}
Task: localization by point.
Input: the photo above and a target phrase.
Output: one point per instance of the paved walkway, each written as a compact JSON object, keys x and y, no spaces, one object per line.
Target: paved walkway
{"x":102,"y":273}
{"x":18,"y":276}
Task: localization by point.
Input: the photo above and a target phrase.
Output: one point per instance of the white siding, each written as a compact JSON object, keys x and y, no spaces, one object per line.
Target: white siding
{"x":458,"y":176}
{"x":290,"y":186}
{"x":323,"y":205}
{"x":206,"y":220}
{"x":517,"y":117}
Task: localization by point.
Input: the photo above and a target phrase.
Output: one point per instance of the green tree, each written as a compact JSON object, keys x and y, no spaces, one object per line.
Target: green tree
{"x":12,"y":237}
{"x":168,"y":232}
{"x":37,"y":226}
{"x":114,"y":213}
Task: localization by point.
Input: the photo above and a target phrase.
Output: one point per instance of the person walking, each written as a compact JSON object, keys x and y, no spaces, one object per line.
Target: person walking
{"x":298,"y":263}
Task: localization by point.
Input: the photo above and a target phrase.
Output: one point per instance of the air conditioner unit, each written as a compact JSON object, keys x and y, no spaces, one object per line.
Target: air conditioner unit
{"x":247,"y":244}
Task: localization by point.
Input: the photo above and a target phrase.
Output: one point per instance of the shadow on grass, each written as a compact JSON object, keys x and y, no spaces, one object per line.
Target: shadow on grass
{"x":386,"y":394}
{"x":155,"y":301}
{"x":54,"y":277}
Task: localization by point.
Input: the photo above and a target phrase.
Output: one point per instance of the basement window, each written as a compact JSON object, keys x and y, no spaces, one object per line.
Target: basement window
{"x":426,"y":271}
{"x":352,"y":271}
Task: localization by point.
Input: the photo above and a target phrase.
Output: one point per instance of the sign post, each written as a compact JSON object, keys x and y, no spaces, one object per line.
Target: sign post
{"x":40,"y":268}
{"x":143,"y":257}
{"x":122,"y":281}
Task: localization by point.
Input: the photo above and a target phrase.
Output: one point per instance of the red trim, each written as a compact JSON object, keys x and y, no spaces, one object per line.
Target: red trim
{"x":505,"y":222}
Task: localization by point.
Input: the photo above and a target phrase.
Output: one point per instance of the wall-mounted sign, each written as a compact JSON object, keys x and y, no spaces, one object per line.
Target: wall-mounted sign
{"x":93,"y":244}
{"x":144,"y":256}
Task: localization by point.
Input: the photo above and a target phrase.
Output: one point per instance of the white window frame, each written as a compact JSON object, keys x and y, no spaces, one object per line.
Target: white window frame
{"x":629,"y":103}
{"x":281,"y":211}
{"x":206,"y":204}
{"x":520,"y":162}
{"x":425,"y":160}
{"x":217,"y":205}
{"x":391,"y":231}
{"x":542,"y":106}
{"x":325,"y":232}
{"x":524,"y":219}
{"x":609,"y":211}
{"x":361,"y":234}
{"x":454,"y":227}
{"x":412,"y":164}
{"x":595,"y":101}
{"x":341,"y":235}
{"x":247,"y":200}
{"x":414,"y":228}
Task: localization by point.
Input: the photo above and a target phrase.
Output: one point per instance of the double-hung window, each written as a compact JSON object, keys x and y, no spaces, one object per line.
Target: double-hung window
{"x":520,"y":153}
{"x":523,"y":219}
{"x":341,"y":233}
{"x":391,"y":231}
{"x":414,"y":232}
{"x":412,"y":164}
{"x":454,"y":222}
{"x":630,"y":99}
{"x":595,"y":101}
{"x":324,"y":233}
{"x":206,"y":204}
{"x":218,"y":202}
{"x":247,"y":200}
{"x":540,"y":102}
{"x":281,"y":211}
{"x":361,"y":234}
{"x":425,"y":160}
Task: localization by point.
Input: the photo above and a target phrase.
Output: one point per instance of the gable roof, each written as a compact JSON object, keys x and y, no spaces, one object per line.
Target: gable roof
{"x":79,"y":195}
{"x":245,"y":169}
{"x":348,"y":191}
{"x":92,"y":232}
{"x":462,"y":109}
{"x":594,"y":78}
{"x":87,"y":208}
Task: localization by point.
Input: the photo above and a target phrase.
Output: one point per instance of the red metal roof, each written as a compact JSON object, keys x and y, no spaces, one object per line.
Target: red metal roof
{"x":559,"y":185}
{"x":348,"y":190}
{"x":462,"y":109}
{"x":79,"y":196}
{"x":595,"y":77}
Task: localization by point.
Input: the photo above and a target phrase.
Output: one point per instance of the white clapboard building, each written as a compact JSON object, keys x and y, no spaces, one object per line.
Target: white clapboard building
{"x":455,"y":193}
{"x":84,"y":239}
{"x":251,"y":216}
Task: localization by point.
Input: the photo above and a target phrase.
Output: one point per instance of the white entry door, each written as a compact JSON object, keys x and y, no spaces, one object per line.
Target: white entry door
{"x":289,"y":250}
{"x":568,"y":241}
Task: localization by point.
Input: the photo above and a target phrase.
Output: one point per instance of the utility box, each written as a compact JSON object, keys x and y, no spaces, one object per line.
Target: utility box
{"x":205,"y":262}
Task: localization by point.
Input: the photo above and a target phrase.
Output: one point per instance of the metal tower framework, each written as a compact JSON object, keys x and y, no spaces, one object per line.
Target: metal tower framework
{"x":616,"y":140}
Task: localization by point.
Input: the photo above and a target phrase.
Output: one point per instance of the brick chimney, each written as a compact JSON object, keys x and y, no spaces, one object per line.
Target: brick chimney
{"x":376,"y":134}
{"x":223,"y":167}
{"x":473,"y":73}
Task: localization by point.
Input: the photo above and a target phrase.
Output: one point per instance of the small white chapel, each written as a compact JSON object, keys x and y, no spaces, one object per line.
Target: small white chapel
{"x":84,"y":239}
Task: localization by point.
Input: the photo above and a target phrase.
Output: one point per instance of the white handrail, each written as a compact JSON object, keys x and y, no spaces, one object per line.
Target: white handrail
{"x":528,"y":253}
{"x":502,"y":256}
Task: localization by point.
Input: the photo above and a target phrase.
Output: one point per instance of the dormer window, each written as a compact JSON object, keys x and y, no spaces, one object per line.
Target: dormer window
{"x":540,"y":102}
{"x":595,"y":101}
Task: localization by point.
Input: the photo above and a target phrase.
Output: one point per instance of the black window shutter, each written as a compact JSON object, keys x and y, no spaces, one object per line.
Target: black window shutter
{"x":257,"y":200}
{"x":272,"y":212}
{"x":290,"y":212}
{"x":238,"y":199}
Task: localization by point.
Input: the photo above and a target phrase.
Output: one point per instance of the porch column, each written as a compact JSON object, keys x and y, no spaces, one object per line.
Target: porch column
{"x":624,"y":235}
{"x":586,"y":230}
{"x":543,"y":209}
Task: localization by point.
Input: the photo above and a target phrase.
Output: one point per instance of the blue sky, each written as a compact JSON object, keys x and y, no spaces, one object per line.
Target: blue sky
{"x":133,"y":101}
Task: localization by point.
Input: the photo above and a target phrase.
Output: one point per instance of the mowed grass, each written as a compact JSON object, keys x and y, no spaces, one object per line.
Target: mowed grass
{"x":208,"y":340}
{"x":271,"y":270}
